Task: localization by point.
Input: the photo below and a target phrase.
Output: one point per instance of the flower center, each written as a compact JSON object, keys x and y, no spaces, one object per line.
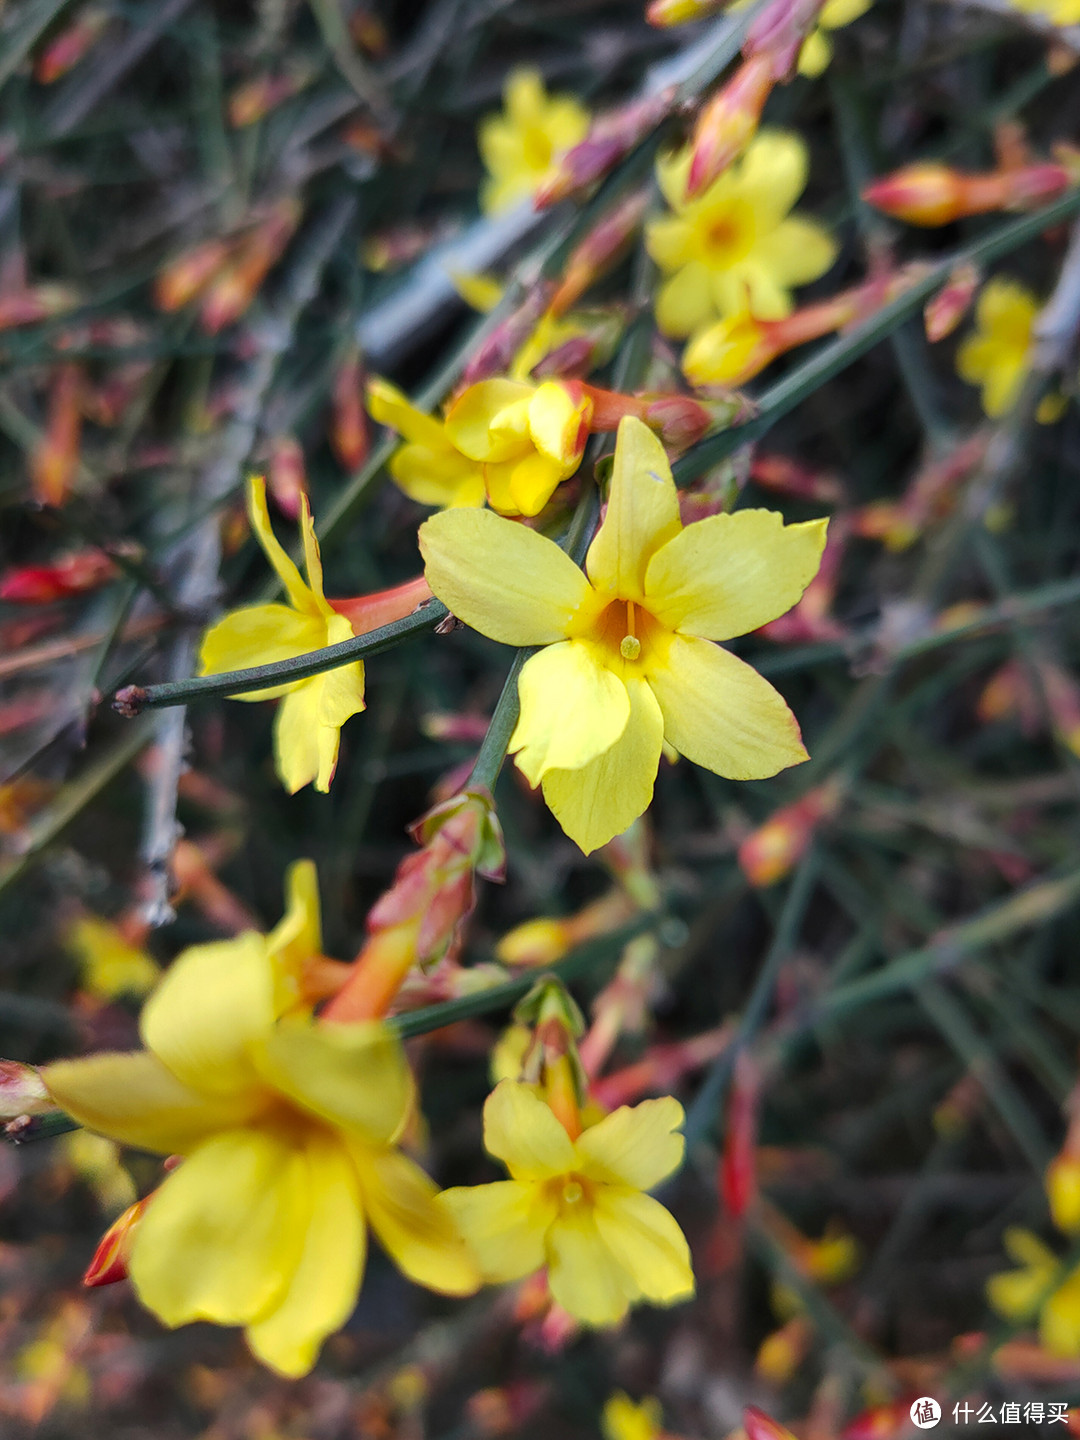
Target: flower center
{"x":626,"y":635}
{"x":728,"y":235}
{"x":572,"y":1192}
{"x":536,"y":149}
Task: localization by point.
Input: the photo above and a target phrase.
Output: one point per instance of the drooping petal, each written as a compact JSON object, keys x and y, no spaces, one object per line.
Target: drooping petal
{"x":602,"y":799}
{"x":522,"y":1132}
{"x":259,"y":635}
{"x":312,"y":558}
{"x":297,"y":936}
{"x":684,"y":303}
{"x":583,"y":1274}
{"x":352,"y":1076}
{"x":728,"y":574}
{"x":504,"y":1224}
{"x":720,"y":713}
{"x":287,"y":572}
{"x":642,"y":513}
{"x":572,"y":710}
{"x":503,"y":579}
{"x":214,"y":1002}
{"x":223,"y":1235}
{"x":322,"y":1293}
{"x":646,"y":1241}
{"x":635,"y":1145}
{"x":134,"y":1099}
{"x":419,"y":1235}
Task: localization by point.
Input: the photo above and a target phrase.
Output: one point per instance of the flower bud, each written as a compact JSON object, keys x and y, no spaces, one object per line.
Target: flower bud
{"x":759,"y":1426}
{"x":233,"y":288}
{"x":546,"y":940}
{"x":54,"y":461}
{"x":610,"y":137}
{"x":66,"y":48}
{"x":772,"y":850}
{"x":738,"y":1169}
{"x":73,"y":574}
{"x":114,"y":1250}
{"x":286,"y":475}
{"x":254,"y":99}
{"x":349,"y":438}
{"x":370,"y":612}
{"x":781,"y":1353}
{"x":22,"y":1091}
{"x":183,"y":278}
{"x":947,"y":308}
{"x":663,"y":13}
{"x":728,"y":122}
{"x":495,"y":354}
{"x":601,"y":248}
{"x":38,"y":302}
{"x":785,"y":476}
{"x":929,"y":193}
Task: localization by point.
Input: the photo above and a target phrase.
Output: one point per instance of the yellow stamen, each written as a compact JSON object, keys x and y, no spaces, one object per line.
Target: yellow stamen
{"x":630,"y":645}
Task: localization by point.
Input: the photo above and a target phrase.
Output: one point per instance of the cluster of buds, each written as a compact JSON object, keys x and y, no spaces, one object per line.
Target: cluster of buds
{"x":931,"y":194}
{"x":420,"y":918}
{"x":63,"y":51}
{"x":75,"y":573}
{"x":772,"y":850}
{"x":930,"y":497}
{"x":611,"y":137}
{"x":227,"y":273}
{"x":735,"y":349}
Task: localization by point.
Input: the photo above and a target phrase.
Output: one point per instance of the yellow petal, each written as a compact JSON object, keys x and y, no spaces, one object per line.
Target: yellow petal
{"x":521,"y":1131}
{"x":838,"y":13}
{"x":313,"y":561}
{"x":223,"y":1235}
{"x":387,"y":405}
{"x":623,"y":1420}
{"x":1059,"y":1325}
{"x":504,"y":1225}
{"x":418,"y":1234}
{"x":728,"y":574}
{"x":602,"y":799}
{"x":503,"y":579}
{"x":572,"y":710}
{"x":558,"y":423}
{"x":480,"y":292}
{"x":108,"y":965}
{"x":288,"y":574}
{"x":259,"y":635}
{"x":136,"y":1100}
{"x":771,"y":175}
{"x":322,"y":1293}
{"x":353,"y":1076}
{"x":214,"y":1002}
{"x":583,"y":1274}
{"x":647,"y":1242}
{"x":797,"y":251}
{"x":720,"y":713}
{"x":531,"y":482}
{"x":297,"y":936}
{"x":669,"y":241}
{"x":642,"y":513}
{"x":489,"y":420}
{"x":685,"y":302}
{"x":441,"y":477}
{"x":672,"y":172}
{"x":816,"y":52}
{"x":524,"y":96}
{"x":635,"y":1145}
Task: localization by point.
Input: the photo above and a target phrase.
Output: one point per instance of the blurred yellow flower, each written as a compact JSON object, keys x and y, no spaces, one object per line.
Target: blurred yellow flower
{"x":736,"y":246}
{"x":995,"y":355}
{"x":289,"y":1131}
{"x":96,"y":1161}
{"x":628,"y":662}
{"x":307,"y":727}
{"x":527,"y":438}
{"x":1058,"y":12}
{"x":519,"y":147}
{"x":817,"y":47}
{"x":578,"y":1206}
{"x":1023,"y":1294}
{"x":428,"y":467}
{"x":109,"y":965}
{"x":623,"y":1420}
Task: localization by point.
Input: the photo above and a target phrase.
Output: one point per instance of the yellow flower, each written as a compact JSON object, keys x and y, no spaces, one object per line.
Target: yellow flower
{"x":307,"y":727}
{"x":1058,"y":12}
{"x":736,"y":246}
{"x":1018,"y":1294}
{"x":527,"y":438}
{"x":817,"y":48}
{"x":623,"y":1420}
{"x":578,"y":1206}
{"x":289,"y":1131}
{"x":97,"y":1162}
{"x":520,"y":146}
{"x":108,"y":964}
{"x":428,"y":467}
{"x":995,"y":355}
{"x":628,"y":661}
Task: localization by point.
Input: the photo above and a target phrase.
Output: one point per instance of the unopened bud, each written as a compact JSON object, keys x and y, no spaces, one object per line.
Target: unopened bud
{"x":254,"y":99}
{"x":73,"y":574}
{"x":930,"y":194}
{"x":54,"y":462}
{"x":110,"y":1261}
{"x":22,"y":1091}
{"x":772,"y":850}
{"x":370,"y":612}
{"x":759,"y":1426}
{"x":183,"y":278}
{"x":605,"y":243}
{"x":64,"y":51}
{"x":728,"y":122}
{"x":779,"y":32}
{"x":232,"y":290}
{"x":286,"y":475}
{"x":496,"y":352}
{"x":349,"y":437}
{"x":610,"y":138}
{"x":947,"y":308}
{"x":781,"y":1353}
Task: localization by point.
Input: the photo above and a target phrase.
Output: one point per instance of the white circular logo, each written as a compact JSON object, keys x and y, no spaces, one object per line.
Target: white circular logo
{"x":925,"y":1412}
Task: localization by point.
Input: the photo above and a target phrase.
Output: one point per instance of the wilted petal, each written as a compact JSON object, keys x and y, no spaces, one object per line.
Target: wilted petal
{"x":503,"y":579}
{"x":522,"y":1132}
{"x":223,"y":1236}
{"x":720,"y":713}
{"x":635,"y":1145}
{"x":642,"y":513}
{"x":728,"y":574}
{"x":322,"y":1293}
{"x":504,"y":1225}
{"x":572,"y":710}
